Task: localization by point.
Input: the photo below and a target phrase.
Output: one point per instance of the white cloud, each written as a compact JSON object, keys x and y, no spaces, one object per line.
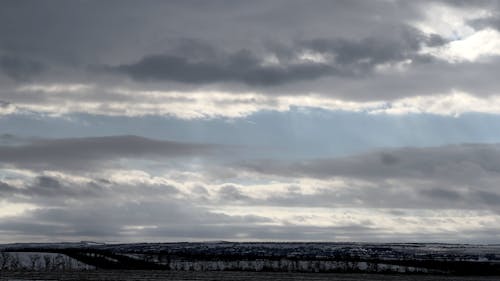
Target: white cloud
{"x":483,"y":43}
{"x":452,"y":23}
{"x":453,"y":104}
{"x":55,"y":88}
{"x":9,"y":209}
{"x":212,"y":104}
{"x":449,"y":21}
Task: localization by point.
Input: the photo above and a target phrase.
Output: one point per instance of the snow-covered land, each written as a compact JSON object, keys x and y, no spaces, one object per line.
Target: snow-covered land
{"x":40,"y":261}
{"x":289,"y":257}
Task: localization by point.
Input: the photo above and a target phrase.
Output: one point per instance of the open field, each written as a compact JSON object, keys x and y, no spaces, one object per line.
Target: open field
{"x":129,"y":275}
{"x":408,"y":258}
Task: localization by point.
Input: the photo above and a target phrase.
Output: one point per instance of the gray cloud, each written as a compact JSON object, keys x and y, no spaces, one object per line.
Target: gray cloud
{"x":204,"y":64}
{"x":223,"y":48}
{"x":6,"y":189}
{"x":448,"y":177}
{"x":242,"y":67}
{"x":456,"y":177}
{"x":463,"y":161}
{"x":110,"y":220}
{"x":91,"y":153}
{"x":235,"y":25}
{"x":20,"y":68}
{"x":397,"y":44}
{"x":229,"y":193}
{"x":491,"y":22}
{"x":408,"y":194}
{"x":138,"y":58}
{"x":181,"y":221}
{"x":47,"y":190}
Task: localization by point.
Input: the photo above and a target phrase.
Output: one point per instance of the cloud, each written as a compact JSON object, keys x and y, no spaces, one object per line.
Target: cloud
{"x":94,"y":68}
{"x":486,"y":22}
{"x":235,"y":25}
{"x":412,"y":162}
{"x":123,"y":220}
{"x":180,"y":220}
{"x":93,"y":152}
{"x":58,"y":100}
{"x":132,"y":205}
{"x":447,"y":177}
{"x":307,"y":60}
{"x":358,"y":56}
{"x":45,"y":189}
{"x":242,"y":67}
{"x":19,"y":68}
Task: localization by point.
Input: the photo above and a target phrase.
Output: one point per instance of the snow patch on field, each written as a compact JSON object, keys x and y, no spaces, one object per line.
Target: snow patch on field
{"x":40,"y":261}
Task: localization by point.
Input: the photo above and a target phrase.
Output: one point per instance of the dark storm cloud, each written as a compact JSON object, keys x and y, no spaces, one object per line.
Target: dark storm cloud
{"x":91,"y":153}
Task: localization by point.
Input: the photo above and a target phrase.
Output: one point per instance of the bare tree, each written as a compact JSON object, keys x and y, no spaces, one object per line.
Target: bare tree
{"x":15,"y":263}
{"x":5,"y":259}
{"x":34,"y":261}
{"x":47,"y":262}
{"x":59,"y":262}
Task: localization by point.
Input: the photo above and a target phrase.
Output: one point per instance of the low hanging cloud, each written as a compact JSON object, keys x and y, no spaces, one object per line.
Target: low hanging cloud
{"x":93,"y":152}
{"x":307,"y":60}
{"x":63,"y":99}
{"x":44,"y":188}
{"x":461,"y":160}
{"x":311,"y":211}
{"x":454,"y":176}
{"x":19,"y":68}
{"x":243,"y":67}
{"x":385,"y":195}
{"x":124,"y":221}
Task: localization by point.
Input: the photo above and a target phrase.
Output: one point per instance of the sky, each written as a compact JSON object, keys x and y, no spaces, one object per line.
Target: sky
{"x":158,"y":121}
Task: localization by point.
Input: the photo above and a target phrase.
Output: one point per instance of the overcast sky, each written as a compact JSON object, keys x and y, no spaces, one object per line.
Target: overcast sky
{"x":258,"y":120}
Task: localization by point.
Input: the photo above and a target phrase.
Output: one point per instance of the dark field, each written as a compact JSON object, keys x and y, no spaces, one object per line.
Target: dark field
{"x":110,"y":275}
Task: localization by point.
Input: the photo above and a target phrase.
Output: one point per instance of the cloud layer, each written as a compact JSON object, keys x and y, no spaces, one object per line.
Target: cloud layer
{"x":387,"y":195}
{"x":85,"y":153}
{"x":275,"y":120}
{"x":356,"y":54}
